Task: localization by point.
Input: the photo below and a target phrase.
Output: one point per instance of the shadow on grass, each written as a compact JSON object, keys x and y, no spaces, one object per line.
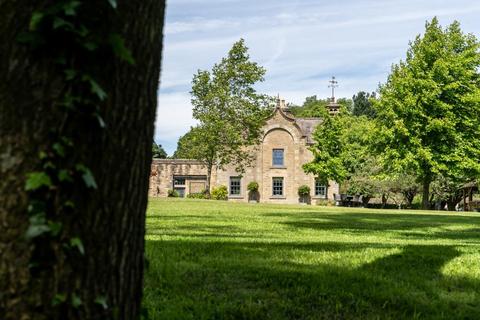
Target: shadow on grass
{"x":235,"y":280}
{"x":410,"y":224}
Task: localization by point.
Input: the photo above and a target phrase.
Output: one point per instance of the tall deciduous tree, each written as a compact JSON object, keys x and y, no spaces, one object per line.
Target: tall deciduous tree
{"x":429,"y":109}
{"x":340,"y":148}
{"x":363,"y":105}
{"x":76,"y":126}
{"x":229,"y":110}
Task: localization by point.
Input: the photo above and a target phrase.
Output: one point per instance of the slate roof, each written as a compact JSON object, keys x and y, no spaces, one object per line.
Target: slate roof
{"x":308,"y":125}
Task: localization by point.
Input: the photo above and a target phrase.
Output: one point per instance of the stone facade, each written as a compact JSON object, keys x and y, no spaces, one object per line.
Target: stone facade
{"x":283,"y":135}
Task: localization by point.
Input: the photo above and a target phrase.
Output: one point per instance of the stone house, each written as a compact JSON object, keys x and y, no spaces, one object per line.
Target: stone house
{"x":277,"y":167}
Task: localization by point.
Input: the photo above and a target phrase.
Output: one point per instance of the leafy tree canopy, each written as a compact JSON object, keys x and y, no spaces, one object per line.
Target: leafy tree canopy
{"x":229,"y":110}
{"x":341,"y":146}
{"x":158,"y":151}
{"x":429,"y":110}
{"x":314,"y":107}
{"x":363,"y":105}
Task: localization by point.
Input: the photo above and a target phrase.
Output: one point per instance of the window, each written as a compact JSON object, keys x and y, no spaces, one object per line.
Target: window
{"x":234,"y":186}
{"x":277,"y":186}
{"x":179,"y":181}
{"x":277,"y":158}
{"x":179,"y":186}
{"x":320,"y":189}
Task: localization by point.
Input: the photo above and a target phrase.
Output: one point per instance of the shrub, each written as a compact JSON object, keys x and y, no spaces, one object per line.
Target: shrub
{"x":253,"y":186}
{"x":220,"y":193}
{"x":198,"y":195}
{"x":173,"y":193}
{"x":325,"y":203}
{"x":303,"y":191}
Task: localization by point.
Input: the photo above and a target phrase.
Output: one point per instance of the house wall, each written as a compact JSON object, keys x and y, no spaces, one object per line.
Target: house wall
{"x":164,"y":170}
{"x":280,"y":133}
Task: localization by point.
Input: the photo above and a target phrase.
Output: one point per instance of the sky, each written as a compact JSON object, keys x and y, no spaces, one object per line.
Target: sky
{"x":301,"y":43}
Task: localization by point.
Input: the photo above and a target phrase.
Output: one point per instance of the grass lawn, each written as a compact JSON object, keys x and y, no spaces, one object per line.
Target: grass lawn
{"x":223,"y":260}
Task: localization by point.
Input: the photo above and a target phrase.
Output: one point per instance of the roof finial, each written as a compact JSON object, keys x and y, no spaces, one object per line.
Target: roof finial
{"x":333,"y":84}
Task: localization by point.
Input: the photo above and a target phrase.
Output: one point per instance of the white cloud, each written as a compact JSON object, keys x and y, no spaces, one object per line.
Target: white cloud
{"x":174,"y":118}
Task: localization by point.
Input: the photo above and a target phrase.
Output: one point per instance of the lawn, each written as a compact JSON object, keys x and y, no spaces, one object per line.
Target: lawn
{"x":223,"y":260}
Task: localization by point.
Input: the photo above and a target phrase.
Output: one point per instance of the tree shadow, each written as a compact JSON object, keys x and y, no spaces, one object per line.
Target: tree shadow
{"x":375,"y":221}
{"x":260,"y":280}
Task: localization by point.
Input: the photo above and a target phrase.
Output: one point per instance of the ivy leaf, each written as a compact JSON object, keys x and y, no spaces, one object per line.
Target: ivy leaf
{"x":119,"y":48}
{"x":36,"y":180}
{"x":70,"y":8}
{"x":77,"y":242}
{"x":101,"y":123}
{"x":76,"y":301}
{"x":35,"y":20}
{"x":37,"y":226}
{"x":59,"y":22}
{"x":95,"y":87}
{"x":102,"y":300}
{"x":49,"y":165}
{"x":69,"y":204}
{"x":89,"y":179}
{"x":64,"y":175}
{"x":70,"y":74}
{"x":55,"y":227}
{"x":59,"y":149}
{"x":90,"y":46}
{"x":87,"y":176}
{"x":59,"y":298}
{"x":113,"y":3}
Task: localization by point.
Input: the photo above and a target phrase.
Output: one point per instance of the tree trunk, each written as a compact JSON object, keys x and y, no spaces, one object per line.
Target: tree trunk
{"x":425,"y":194}
{"x":451,"y":203}
{"x":384,"y":200}
{"x":209,"y":179}
{"x":105,"y":281}
{"x":409,"y":194}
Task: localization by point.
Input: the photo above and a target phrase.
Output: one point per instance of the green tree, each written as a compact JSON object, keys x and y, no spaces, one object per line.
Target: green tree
{"x":158,"y":151}
{"x":72,"y":200}
{"x":448,"y":190}
{"x":229,"y":110}
{"x":340,"y":148}
{"x":186,"y":146}
{"x":429,"y":109}
{"x":363,"y":105}
{"x":314,"y":107}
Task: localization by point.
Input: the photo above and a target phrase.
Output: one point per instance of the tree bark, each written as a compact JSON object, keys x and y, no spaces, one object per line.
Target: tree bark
{"x":111,"y":219}
{"x":209,"y":179}
{"x":426,"y":194}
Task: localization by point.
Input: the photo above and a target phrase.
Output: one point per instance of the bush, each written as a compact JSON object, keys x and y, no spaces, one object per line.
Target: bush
{"x":303,"y":191}
{"x":199,"y":195}
{"x":253,"y":186}
{"x":325,"y":203}
{"x":220,"y":193}
{"x":173,"y":193}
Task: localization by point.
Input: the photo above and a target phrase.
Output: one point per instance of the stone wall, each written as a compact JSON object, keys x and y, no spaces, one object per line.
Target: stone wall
{"x":164,"y":170}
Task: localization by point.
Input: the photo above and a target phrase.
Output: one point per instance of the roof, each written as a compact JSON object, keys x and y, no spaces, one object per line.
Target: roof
{"x":307,"y":126}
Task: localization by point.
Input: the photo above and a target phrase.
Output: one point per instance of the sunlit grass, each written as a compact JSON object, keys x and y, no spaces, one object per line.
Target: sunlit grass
{"x":223,"y":260}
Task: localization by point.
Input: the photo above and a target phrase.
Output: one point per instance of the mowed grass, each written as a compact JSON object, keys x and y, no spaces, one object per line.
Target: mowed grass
{"x":223,"y":260}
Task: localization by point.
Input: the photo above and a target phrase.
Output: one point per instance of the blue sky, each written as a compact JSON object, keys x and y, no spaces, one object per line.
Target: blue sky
{"x":301,"y":43}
